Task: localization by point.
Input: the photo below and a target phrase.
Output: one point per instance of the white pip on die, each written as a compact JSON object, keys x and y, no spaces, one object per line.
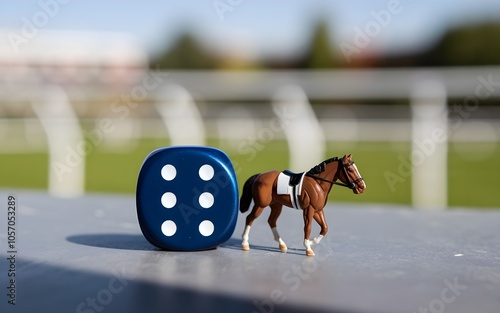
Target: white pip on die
{"x":187,"y":198}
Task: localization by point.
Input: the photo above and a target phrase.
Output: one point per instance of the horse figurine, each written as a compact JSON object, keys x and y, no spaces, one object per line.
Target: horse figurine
{"x":307,"y":191}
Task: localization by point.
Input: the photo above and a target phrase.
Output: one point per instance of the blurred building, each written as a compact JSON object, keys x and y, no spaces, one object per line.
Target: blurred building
{"x":71,"y":57}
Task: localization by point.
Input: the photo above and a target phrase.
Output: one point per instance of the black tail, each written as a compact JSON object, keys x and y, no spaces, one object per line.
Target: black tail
{"x":246,"y":197}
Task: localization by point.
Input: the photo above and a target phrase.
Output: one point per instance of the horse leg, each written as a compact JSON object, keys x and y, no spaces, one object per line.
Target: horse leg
{"x":319,"y":217}
{"x":256,"y":211}
{"x":308,"y":214}
{"x":273,"y":217}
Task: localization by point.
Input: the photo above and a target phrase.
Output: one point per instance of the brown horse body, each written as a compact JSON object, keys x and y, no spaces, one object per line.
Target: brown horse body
{"x":316,"y":186}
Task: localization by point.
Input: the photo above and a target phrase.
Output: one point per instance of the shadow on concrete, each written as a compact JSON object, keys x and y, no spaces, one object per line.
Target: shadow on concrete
{"x":114,"y":241}
{"x":235,"y":244}
{"x":49,"y":288}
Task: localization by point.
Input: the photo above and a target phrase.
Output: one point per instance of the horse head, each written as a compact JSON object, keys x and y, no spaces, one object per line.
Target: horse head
{"x":349,"y":175}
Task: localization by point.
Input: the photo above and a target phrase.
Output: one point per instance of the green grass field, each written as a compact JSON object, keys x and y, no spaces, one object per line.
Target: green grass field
{"x":471,"y":181}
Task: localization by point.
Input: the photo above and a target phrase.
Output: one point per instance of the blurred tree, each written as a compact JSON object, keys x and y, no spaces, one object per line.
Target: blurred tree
{"x":320,"y":53}
{"x":468,"y":45}
{"x":186,"y":53}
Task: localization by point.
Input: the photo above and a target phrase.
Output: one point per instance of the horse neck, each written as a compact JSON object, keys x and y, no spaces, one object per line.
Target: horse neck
{"x":330,"y":174}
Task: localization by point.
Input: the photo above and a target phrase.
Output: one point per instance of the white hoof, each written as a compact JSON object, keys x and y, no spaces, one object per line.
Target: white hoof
{"x":245,"y":246}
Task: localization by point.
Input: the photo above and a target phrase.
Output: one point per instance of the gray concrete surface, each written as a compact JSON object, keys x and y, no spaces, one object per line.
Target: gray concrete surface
{"x":88,"y":255}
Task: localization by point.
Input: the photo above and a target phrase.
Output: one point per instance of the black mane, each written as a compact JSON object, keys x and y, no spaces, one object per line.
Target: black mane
{"x":321,"y":166}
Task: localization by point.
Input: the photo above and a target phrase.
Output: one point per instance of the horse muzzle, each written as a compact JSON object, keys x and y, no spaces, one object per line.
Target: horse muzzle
{"x":359,"y":186}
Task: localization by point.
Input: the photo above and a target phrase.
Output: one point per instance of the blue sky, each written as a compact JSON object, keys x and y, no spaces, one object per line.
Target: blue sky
{"x":257,"y":27}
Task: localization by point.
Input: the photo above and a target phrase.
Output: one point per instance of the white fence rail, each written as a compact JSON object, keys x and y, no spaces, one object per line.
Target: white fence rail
{"x":183,"y":104}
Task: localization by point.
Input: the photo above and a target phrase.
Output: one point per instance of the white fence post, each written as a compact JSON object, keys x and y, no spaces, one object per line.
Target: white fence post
{"x":429,"y":145}
{"x":66,"y":145}
{"x":180,"y":116}
{"x":306,"y":140}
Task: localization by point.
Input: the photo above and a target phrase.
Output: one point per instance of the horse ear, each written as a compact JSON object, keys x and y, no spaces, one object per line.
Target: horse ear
{"x":347,"y":157}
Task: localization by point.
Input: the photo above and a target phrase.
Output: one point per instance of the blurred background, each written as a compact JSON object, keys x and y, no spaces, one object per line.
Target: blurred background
{"x":410,"y":88}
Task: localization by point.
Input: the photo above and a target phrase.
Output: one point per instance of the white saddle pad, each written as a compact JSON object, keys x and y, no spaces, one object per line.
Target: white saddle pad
{"x":283,"y":188}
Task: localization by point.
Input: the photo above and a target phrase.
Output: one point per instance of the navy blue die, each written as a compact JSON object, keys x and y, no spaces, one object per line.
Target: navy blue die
{"x":187,"y":198}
